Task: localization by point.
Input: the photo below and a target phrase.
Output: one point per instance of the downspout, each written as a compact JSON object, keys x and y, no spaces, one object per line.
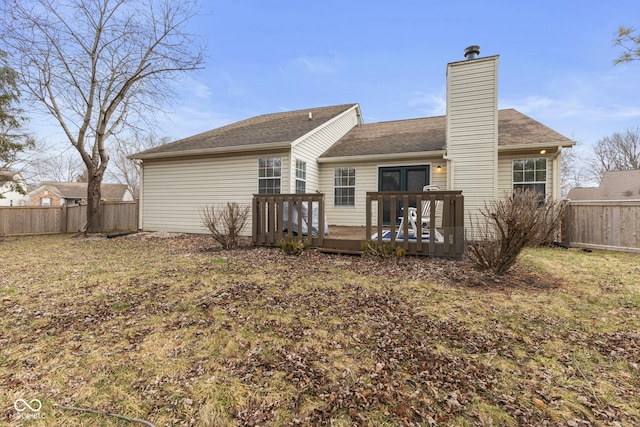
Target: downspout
{"x":449,"y":171}
{"x":140,"y":191}
{"x":557,"y":175}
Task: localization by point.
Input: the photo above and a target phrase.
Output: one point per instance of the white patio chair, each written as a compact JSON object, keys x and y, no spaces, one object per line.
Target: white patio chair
{"x":412,"y":220}
{"x":425,"y":217}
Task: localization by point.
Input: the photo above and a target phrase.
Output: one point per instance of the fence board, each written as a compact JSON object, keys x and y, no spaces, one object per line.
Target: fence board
{"x":607,"y":224}
{"x":28,"y":220}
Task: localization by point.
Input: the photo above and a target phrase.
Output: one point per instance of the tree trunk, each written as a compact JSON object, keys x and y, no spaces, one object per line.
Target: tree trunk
{"x":94,"y":213}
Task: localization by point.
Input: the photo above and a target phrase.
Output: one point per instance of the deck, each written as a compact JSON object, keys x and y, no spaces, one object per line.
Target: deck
{"x":277,"y":217}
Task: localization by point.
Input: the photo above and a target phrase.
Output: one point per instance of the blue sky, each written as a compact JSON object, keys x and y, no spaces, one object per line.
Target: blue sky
{"x":556,"y":60}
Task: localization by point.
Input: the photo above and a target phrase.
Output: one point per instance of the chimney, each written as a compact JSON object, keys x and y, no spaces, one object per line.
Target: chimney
{"x":310,"y":116}
{"x":472,"y":52}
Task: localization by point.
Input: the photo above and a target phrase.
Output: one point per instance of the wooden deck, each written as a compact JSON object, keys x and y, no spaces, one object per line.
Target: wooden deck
{"x":278,"y":217}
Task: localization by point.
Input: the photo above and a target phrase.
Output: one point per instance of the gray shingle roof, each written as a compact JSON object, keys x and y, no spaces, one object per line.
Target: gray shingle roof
{"x":614,"y":185}
{"x":429,"y":134}
{"x":401,"y":136}
{"x":515,"y":128}
{"x":273,"y":128}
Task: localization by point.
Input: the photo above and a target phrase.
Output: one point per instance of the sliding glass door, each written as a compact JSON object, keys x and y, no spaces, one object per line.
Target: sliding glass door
{"x":401,"y":178}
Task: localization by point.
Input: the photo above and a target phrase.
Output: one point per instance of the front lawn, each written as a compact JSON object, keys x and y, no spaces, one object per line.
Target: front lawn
{"x":172,"y":331}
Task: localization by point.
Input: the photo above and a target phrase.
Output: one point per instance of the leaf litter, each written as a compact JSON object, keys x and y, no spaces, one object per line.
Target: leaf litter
{"x":175,"y":327}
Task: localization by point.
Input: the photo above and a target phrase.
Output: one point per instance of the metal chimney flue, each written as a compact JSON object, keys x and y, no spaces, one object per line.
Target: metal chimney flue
{"x":472,"y":52}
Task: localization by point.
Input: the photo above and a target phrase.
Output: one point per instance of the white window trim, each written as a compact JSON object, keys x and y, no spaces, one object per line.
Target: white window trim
{"x":269,"y":177}
{"x":546,"y":174}
{"x":297,"y":178}
{"x":355,"y":174}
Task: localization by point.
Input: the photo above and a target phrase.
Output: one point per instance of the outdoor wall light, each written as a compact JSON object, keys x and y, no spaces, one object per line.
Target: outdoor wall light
{"x":438,"y":168}
{"x":543,"y":151}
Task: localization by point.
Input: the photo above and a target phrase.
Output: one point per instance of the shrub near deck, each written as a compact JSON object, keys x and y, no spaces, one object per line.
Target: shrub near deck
{"x":177,"y":332}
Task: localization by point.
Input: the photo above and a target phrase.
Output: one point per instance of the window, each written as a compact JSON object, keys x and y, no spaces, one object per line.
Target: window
{"x":45,"y":201}
{"x":301,"y":177}
{"x":344,"y":187}
{"x":530,"y":174}
{"x":269,"y":174}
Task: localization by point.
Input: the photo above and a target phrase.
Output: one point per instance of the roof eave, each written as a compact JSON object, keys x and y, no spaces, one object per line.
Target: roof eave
{"x":536,"y":146}
{"x":373,"y":157}
{"x":217,"y":150}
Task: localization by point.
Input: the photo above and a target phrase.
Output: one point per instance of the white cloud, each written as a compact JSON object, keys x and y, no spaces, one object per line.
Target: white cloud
{"x":317,"y":64}
{"x":201,"y":90}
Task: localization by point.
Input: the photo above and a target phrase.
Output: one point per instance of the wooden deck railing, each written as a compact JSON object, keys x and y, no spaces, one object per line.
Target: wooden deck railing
{"x":282,"y":216}
{"x":447,"y":221}
{"x":277,"y":217}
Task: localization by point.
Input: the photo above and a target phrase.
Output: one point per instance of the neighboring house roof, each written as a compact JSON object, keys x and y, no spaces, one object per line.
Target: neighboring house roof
{"x":78,"y":190}
{"x":614,"y":185}
{"x":429,"y":134}
{"x":265,"y":131}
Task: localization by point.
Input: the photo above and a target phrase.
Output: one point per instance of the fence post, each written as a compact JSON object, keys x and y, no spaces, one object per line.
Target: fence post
{"x":565,"y":237}
{"x":63,"y":219}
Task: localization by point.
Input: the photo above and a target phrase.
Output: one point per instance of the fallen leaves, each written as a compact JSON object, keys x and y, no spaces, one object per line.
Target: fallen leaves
{"x":183,"y":334}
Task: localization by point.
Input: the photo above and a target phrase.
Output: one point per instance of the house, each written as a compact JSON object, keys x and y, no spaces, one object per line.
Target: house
{"x":10,"y":182}
{"x":73,"y":193}
{"x":614,"y":185}
{"x":476,"y":148}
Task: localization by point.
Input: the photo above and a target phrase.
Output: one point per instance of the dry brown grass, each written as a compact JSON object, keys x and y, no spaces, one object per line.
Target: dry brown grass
{"x":178,"y":333}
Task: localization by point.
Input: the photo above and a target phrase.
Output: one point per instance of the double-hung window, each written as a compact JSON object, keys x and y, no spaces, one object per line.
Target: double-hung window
{"x":344,"y":187}
{"x":269,"y":175}
{"x":301,"y":177}
{"x":530,"y":174}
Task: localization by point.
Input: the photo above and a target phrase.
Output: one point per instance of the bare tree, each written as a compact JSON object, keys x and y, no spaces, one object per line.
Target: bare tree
{"x":620,"y":151}
{"x":13,"y":140}
{"x":573,"y":170}
{"x":629,"y":41}
{"x":125,"y":170}
{"x":48,"y":163}
{"x":99,"y":66}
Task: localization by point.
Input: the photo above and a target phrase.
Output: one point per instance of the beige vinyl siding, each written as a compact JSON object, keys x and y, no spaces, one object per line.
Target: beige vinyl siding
{"x":366,"y":180}
{"x":505,"y":173}
{"x":472,"y":130}
{"x":175,"y":190}
{"x":309,"y":149}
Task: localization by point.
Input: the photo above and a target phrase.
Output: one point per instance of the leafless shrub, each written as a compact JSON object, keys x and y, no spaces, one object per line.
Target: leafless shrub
{"x":509,"y":225}
{"x":225,"y":222}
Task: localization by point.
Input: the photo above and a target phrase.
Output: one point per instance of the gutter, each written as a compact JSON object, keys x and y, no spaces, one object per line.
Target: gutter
{"x":371,"y":157}
{"x":524,"y":147}
{"x":217,"y":150}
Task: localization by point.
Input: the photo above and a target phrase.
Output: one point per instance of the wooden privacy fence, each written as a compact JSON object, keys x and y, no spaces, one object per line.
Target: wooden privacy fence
{"x":26,"y":220}
{"x":606,"y":224}
{"x":444,"y":236}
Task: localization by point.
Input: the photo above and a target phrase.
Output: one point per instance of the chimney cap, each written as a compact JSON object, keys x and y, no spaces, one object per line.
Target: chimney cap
{"x":472,"y":52}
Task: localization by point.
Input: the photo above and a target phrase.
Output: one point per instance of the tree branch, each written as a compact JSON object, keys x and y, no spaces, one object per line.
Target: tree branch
{"x":109,"y":414}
